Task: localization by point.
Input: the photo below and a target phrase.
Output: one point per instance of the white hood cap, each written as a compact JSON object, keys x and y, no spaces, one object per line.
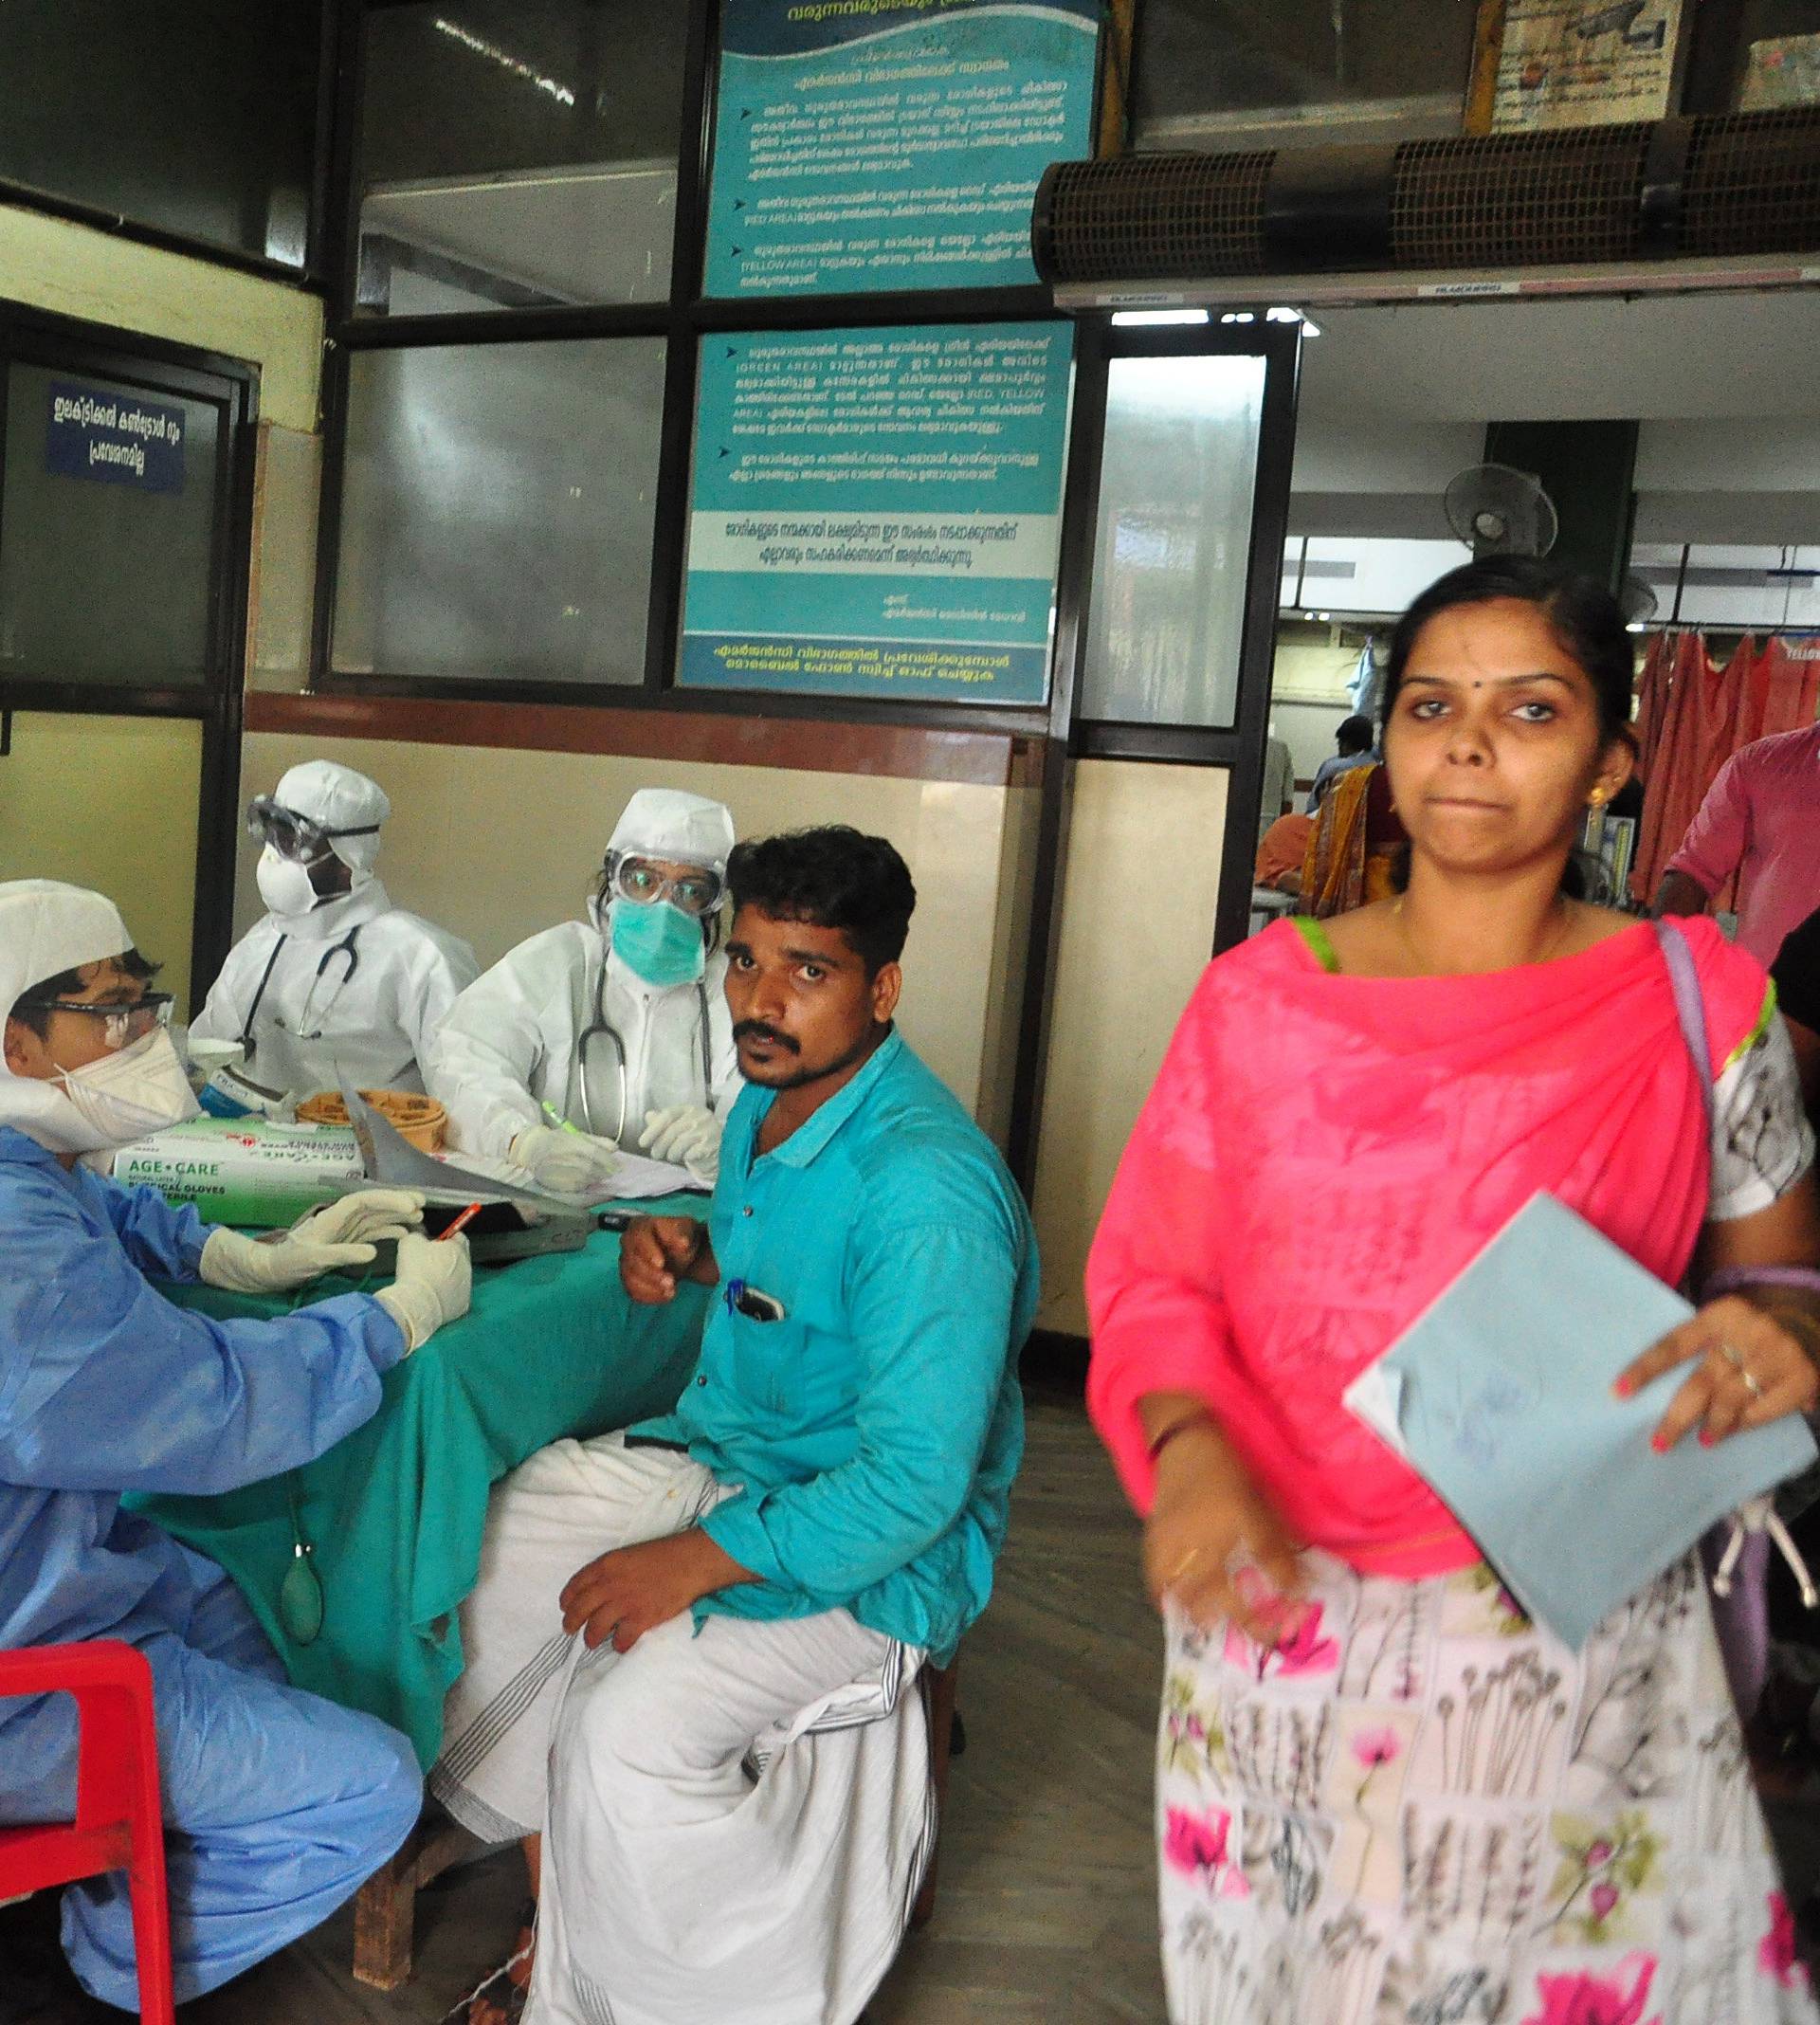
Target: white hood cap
{"x":668,"y":823}
{"x":45,"y":928}
{"x":338,"y":798}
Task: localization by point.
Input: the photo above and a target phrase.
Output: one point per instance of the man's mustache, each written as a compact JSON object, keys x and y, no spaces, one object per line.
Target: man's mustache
{"x":755,"y":1030}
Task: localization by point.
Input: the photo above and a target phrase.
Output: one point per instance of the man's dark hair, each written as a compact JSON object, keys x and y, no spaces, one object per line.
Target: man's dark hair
{"x":1353,"y":734}
{"x":32,"y":1009}
{"x":833,"y":877}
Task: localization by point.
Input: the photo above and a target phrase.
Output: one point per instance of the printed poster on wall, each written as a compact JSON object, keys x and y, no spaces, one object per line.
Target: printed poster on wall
{"x":1582,"y":63}
{"x":891,"y":144}
{"x":878,"y":512}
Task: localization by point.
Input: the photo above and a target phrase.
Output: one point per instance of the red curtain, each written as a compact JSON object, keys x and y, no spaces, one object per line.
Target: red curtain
{"x":1693,"y":715}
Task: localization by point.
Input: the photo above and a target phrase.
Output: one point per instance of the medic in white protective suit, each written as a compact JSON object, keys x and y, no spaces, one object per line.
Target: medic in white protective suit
{"x":608,"y":1033}
{"x":277,"y":1805}
{"x":335,"y":983}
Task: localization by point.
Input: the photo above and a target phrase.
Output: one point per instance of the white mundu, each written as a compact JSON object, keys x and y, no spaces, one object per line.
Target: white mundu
{"x":739,"y":1820}
{"x":342,"y":987}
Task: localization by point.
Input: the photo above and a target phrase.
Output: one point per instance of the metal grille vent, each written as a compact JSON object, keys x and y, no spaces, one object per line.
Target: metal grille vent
{"x":1512,"y":200}
{"x":1163,"y":216}
{"x":1753,"y":183}
{"x":1724,"y":185}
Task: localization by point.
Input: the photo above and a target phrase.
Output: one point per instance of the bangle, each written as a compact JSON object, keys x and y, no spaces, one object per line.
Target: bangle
{"x":1173,"y":1429}
{"x":1736,"y":1279}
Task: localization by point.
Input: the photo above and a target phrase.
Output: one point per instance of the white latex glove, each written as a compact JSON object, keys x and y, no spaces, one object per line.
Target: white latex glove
{"x":273,"y":1266}
{"x":364,"y":1217}
{"x":686,"y":1135}
{"x":568,"y":1163}
{"x":435,"y":1284}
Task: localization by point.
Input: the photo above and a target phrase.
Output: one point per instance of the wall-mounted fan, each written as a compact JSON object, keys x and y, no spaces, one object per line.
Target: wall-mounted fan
{"x":1497,"y":510}
{"x":1637,"y":599}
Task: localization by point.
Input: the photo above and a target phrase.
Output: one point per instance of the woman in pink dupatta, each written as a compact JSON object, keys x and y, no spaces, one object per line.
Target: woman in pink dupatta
{"x":1382,"y":1793}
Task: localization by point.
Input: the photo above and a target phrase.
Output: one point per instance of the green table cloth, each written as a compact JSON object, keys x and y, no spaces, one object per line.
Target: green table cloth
{"x":395,"y":1513}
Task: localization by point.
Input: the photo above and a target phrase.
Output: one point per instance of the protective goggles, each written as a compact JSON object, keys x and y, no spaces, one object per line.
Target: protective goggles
{"x":296,"y":836}
{"x":125,"y":1024}
{"x":643,"y":879}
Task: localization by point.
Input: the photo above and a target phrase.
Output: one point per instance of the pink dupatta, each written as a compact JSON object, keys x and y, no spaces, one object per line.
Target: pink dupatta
{"x":1321,"y":1153}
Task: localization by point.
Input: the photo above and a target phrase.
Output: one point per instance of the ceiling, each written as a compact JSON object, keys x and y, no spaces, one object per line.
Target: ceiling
{"x":1694,"y":356}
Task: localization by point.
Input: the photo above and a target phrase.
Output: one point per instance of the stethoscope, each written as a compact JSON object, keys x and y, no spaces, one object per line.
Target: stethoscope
{"x":348,"y":950}
{"x":600,"y":1027}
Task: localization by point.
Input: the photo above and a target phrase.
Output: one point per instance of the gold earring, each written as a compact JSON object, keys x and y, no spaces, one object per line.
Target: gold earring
{"x":1597,"y":797}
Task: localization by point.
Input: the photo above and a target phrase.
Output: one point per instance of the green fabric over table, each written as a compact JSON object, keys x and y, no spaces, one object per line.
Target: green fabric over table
{"x":395,"y":1513}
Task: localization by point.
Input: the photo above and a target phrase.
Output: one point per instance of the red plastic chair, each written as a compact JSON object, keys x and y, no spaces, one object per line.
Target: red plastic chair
{"x":119,"y":1823}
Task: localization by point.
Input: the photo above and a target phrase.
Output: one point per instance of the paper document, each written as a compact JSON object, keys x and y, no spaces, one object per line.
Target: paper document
{"x":1500,"y":1396}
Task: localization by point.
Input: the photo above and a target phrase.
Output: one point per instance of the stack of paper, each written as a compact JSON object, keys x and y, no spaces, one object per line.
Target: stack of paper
{"x":1500,"y":1396}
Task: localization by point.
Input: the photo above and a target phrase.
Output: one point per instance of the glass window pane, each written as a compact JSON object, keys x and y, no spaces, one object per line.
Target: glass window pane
{"x":107,"y":532}
{"x":194,"y":115}
{"x":1176,"y":487}
{"x":1214,"y":72}
{"x":497,"y":512}
{"x":516,"y":153}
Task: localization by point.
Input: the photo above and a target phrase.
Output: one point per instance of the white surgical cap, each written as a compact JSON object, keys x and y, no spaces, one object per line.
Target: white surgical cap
{"x":668,"y":823}
{"x":337,"y":798}
{"x":47,"y":928}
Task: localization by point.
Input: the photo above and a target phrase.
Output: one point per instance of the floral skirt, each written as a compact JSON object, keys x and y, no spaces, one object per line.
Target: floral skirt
{"x":1423,"y":1809}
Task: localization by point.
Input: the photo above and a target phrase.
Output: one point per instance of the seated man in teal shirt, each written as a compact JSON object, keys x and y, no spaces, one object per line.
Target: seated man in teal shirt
{"x":705,"y":1724}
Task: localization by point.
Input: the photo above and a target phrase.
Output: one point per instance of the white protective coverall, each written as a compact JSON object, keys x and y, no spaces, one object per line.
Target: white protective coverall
{"x":350,"y":990}
{"x":513,"y":1042}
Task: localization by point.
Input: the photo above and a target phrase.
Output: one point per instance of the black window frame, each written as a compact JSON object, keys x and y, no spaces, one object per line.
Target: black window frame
{"x":309,"y":278}
{"x":684,"y":319}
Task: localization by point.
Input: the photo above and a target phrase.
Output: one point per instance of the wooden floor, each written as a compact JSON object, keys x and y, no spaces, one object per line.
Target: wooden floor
{"x":1047,"y":1908}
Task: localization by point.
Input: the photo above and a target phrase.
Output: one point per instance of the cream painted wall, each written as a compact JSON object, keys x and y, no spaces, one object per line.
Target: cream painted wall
{"x":1131,"y":947}
{"x":78,"y":272}
{"x":495,"y":844}
{"x":110,"y":802}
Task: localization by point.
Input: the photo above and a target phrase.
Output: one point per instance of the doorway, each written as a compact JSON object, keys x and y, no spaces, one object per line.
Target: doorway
{"x":125,"y":521}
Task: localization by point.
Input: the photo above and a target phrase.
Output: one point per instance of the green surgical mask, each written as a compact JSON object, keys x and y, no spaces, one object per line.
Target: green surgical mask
{"x":658,"y":941}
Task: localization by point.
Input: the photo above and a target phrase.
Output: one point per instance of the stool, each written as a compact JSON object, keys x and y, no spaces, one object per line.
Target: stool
{"x":385,"y":1910}
{"x":119,"y":1823}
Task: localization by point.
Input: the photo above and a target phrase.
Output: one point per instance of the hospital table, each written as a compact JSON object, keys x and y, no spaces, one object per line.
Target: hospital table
{"x":393,"y":1514}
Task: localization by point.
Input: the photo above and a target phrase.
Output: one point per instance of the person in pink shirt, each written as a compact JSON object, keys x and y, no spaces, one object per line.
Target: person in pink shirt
{"x":1762,"y":821}
{"x":1382,"y":1791}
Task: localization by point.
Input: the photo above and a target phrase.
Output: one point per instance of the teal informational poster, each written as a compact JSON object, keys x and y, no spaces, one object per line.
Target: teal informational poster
{"x":891,"y":144}
{"x":878,"y":512}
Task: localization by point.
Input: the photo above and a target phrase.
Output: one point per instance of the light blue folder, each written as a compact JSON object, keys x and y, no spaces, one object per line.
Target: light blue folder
{"x":1500,"y":1396}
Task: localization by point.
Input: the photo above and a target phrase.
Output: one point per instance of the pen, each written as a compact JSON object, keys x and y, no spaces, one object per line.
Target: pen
{"x":460,"y":1223}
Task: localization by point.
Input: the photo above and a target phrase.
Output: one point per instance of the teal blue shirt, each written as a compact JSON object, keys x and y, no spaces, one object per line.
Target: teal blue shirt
{"x":877,"y":1426}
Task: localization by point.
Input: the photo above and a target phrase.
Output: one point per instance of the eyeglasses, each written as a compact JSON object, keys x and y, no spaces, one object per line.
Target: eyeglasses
{"x":296,"y":836}
{"x":126,"y":1023}
{"x":643,"y":879}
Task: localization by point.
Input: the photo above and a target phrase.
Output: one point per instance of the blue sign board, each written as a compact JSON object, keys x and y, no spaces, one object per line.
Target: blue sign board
{"x":863,"y":145}
{"x":878,"y":512}
{"x":113,"y":438}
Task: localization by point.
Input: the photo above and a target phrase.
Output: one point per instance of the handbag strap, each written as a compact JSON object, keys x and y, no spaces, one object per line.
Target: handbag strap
{"x":1690,"y":1006}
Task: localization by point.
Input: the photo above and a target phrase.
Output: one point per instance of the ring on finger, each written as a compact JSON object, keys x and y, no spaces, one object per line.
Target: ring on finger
{"x":1753,"y":1382}
{"x":1733,"y":1356}
{"x":1186,"y":1562}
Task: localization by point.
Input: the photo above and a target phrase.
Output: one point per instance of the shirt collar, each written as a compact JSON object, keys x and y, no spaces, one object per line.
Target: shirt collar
{"x":815,"y":1131}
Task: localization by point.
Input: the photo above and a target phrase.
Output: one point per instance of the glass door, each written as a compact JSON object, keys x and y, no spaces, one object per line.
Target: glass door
{"x":125,"y":516}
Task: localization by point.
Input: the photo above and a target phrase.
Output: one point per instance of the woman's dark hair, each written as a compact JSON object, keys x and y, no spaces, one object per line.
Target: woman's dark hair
{"x":833,"y":877}
{"x":1353,"y":734}
{"x":33,"y":1007}
{"x":1586,"y":618}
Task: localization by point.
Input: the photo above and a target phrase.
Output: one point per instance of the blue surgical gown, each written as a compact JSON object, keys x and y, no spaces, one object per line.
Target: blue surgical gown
{"x":279,"y":1804}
